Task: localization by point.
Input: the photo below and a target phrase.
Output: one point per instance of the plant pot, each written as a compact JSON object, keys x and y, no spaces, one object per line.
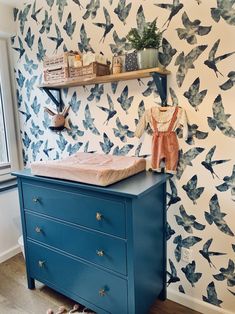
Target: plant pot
{"x":147,"y":58}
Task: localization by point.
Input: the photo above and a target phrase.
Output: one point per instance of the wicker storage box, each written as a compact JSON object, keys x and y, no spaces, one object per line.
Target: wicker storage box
{"x":56,"y":69}
{"x":89,"y":71}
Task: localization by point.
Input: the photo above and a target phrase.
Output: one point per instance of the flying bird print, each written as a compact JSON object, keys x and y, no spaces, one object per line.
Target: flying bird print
{"x":173,"y":274}
{"x":173,"y":196}
{"x":212,"y":295}
{"x":96,"y":92}
{"x":61,"y":5}
{"x":151,"y":89}
{"x":61,"y":143}
{"x":187,"y":62}
{"x":20,"y":49}
{"x":107,"y":145}
{"x":35,"y":146}
{"x":140,"y":19}
{"x":46,"y":149}
{"x":122,"y":131}
{"x":107,"y":26}
{"x":169,"y":231}
{"x":188,"y":222}
{"x":46,"y":24}
{"x":190,"y":273}
{"x":174,"y":98}
{"x":181,"y":289}
{"x":191,"y":189}
{"x":69,"y":26}
{"x":227,"y":274}
{"x":230,"y":82}
{"x":15,"y":13}
{"x":88,"y":123}
{"x":184,"y":243}
{"x":193,"y":95}
{"x":84,"y":45}
{"x":75,"y":103}
{"x":217,"y":217}
{"x":220,"y":119}
{"x":193,"y":133}
{"x":207,"y":254}
{"x":50,"y":3}
{"x":23,"y":17}
{"x":121,"y":45}
{"x":35,"y":130}
{"x":36,"y":105}
{"x":78,"y":3}
{"x":122,"y":151}
{"x":110,"y":111}
{"x":124,"y":100}
{"x":208,"y":163}
{"x":229,"y":184}
{"x":30,"y":66}
{"x":225,"y":9}
{"x":212,"y":60}
{"x":73,"y":130}
{"x":35,"y":12}
{"x":20,"y":79}
{"x":175,"y":7}
{"x":41,"y":51}
{"x":185,"y":159}
{"x":165,"y":57}
{"x":86,"y":150}
{"x":91,"y":9}
{"x":72,"y":149}
{"x":123,"y":10}
{"x":29,"y":85}
{"x":58,"y":39}
{"x":29,"y":38}
{"x":191,"y":30}
{"x":25,"y":139}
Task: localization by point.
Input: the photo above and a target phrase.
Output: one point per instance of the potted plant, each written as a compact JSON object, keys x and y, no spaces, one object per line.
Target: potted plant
{"x":147,"y":42}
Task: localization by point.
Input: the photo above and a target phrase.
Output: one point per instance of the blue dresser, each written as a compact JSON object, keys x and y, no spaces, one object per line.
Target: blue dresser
{"x":104,"y":247}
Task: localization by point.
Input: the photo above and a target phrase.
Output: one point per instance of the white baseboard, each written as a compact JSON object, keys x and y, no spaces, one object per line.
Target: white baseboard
{"x":9,"y":253}
{"x":195,"y":304}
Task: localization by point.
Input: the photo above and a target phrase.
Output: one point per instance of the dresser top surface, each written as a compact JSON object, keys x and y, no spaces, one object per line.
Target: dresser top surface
{"x":132,"y":187}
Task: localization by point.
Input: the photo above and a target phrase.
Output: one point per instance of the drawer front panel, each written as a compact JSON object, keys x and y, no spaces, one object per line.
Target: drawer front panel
{"x":94,"y":285}
{"x":104,"y":250}
{"x":106,"y":215}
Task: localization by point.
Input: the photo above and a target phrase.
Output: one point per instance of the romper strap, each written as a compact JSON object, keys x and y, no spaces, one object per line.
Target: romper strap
{"x":154,"y":122}
{"x":173,"y":120}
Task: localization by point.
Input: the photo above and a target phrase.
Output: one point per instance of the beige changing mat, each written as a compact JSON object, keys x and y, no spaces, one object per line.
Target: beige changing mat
{"x":98,"y":169}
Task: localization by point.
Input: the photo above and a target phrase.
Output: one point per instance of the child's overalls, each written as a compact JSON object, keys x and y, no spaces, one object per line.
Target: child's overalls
{"x":165,"y":146}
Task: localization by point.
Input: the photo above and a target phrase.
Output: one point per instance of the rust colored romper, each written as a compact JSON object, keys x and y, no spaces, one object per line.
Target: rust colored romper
{"x":165,"y":145}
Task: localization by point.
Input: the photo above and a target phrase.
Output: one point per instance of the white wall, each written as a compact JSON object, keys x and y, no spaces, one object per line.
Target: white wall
{"x":9,"y":224}
{"x":7,"y":25}
{"x":9,"y":204}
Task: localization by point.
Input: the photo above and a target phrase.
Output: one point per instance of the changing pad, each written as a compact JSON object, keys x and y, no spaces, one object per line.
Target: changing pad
{"x":97,"y":169}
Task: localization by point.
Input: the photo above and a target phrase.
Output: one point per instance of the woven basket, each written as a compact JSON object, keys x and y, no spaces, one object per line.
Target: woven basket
{"x":89,"y":71}
{"x":56,"y":69}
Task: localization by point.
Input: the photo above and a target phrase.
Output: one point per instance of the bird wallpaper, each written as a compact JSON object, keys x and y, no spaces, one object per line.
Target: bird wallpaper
{"x":198,"y":47}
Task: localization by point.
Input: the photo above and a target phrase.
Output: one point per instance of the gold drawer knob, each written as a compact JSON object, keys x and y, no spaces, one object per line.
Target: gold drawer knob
{"x":99,"y":216}
{"x":38,"y":230}
{"x":100,"y":252}
{"x":102,"y":292}
{"x":35,"y":199}
{"x":41,"y":264}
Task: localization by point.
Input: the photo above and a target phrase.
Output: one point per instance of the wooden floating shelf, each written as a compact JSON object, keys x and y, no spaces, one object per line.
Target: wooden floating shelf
{"x":107,"y":78}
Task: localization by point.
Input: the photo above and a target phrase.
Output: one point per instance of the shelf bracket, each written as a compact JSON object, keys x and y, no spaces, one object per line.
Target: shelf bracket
{"x":57,"y":99}
{"x":161,"y":84}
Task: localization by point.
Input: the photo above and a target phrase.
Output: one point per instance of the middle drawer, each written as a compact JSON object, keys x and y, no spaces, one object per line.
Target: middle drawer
{"x":104,"y":250}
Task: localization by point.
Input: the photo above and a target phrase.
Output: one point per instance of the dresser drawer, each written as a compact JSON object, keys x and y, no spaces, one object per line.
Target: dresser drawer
{"x":92,"y":211}
{"x":106,"y":291}
{"x":104,"y":250}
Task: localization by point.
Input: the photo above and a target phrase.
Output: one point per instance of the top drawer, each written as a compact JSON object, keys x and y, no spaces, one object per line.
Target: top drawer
{"x":88,"y":210}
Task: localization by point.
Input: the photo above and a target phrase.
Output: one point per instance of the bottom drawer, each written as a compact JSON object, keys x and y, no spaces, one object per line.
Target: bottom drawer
{"x":90,"y":283}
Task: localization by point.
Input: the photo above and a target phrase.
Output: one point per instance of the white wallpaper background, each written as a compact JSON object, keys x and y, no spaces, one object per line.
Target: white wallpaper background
{"x":201,"y":206}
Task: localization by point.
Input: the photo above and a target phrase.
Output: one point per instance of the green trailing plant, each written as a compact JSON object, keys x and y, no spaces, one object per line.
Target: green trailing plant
{"x":149,"y":37}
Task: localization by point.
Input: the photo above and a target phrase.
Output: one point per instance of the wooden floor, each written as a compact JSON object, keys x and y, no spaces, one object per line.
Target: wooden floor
{"x":15,"y":298}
